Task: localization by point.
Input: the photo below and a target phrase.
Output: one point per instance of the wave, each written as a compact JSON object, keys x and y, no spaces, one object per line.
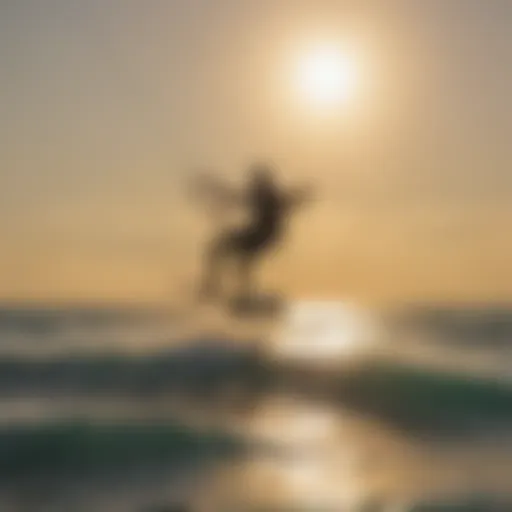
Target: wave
{"x":191,"y":363}
{"x":76,"y":448}
{"x":422,"y":400}
{"x":488,"y":326}
{"x":44,"y":322}
{"x":413,"y":398}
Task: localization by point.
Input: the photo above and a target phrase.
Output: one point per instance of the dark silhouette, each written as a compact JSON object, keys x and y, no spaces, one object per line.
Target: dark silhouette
{"x":269,"y":208}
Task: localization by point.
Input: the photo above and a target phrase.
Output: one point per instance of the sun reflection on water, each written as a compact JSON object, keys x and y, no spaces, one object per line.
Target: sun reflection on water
{"x":324,"y":332}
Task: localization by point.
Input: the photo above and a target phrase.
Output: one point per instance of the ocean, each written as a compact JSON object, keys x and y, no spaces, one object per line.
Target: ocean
{"x":141,"y":410}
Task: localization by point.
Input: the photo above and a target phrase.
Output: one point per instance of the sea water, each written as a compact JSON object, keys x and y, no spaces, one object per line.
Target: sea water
{"x":121,"y":409}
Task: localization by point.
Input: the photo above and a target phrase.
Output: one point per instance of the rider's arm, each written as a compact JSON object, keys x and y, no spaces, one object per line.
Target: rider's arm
{"x":218,"y":191}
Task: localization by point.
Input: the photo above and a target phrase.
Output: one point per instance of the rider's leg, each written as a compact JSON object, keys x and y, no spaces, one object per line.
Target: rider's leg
{"x":214,"y":258}
{"x":246,"y":263}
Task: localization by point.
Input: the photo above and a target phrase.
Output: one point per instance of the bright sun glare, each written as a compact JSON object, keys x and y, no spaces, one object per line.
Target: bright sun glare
{"x":324,"y":331}
{"x":326,"y":76}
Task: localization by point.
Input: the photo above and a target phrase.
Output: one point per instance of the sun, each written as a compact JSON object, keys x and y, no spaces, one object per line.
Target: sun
{"x":326,"y":76}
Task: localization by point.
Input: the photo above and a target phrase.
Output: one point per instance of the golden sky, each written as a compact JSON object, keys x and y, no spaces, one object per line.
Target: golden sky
{"x":108,"y":104}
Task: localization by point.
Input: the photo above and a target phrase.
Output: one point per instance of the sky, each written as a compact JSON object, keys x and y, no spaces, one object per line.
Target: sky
{"x":108,"y":105}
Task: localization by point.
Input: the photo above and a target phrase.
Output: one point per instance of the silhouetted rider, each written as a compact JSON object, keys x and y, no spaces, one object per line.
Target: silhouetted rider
{"x":269,"y":208}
